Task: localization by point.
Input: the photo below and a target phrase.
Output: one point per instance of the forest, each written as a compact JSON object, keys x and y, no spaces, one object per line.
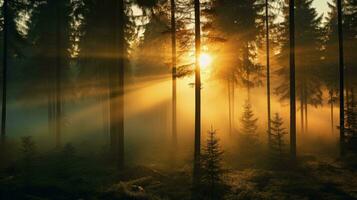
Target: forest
{"x":178,"y":99}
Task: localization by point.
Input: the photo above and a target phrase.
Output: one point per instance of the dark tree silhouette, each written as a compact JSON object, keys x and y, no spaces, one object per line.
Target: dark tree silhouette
{"x":302,"y":72}
{"x":341,"y":73}
{"x":49,"y":39}
{"x":4,"y":70}
{"x":309,"y":44}
{"x":248,"y":133}
{"x":292,"y":79}
{"x":332,"y":101}
{"x":278,"y":133}
{"x":330,"y":69}
{"x":350,"y":129}
{"x":103,"y":16}
{"x":61,"y":54}
{"x":268,"y":65}
{"x":212,"y":172}
{"x":238,"y":24}
{"x":66,"y":161}
{"x":28,"y":153}
{"x":197,"y":148}
{"x":173,"y":56}
{"x":118,"y":120}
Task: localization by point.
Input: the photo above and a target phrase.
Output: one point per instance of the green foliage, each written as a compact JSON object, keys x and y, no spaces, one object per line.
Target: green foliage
{"x":249,"y":132}
{"x":277,"y":134}
{"x":239,"y":23}
{"x":28,"y":157}
{"x":309,"y":45}
{"x":351,"y":123}
{"x":212,"y":172}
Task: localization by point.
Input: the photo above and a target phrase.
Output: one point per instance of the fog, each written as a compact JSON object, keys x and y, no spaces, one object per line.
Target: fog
{"x":178,"y":99}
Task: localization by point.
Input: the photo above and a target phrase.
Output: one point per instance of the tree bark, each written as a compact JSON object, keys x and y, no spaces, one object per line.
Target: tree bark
{"x":306,"y":119}
{"x":229,"y":107}
{"x":341,"y":74}
{"x":173,"y":57}
{"x":59,"y":56}
{"x":268,"y":68}
{"x":197,"y":149}
{"x":302,"y":110}
{"x":116,"y":82}
{"x":331,"y":112}
{"x":4,"y":71}
{"x":292,"y":80}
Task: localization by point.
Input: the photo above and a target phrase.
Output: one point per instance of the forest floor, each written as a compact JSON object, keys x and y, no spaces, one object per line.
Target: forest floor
{"x":312,"y":179}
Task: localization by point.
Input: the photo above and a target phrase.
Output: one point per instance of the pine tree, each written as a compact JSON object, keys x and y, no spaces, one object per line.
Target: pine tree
{"x":249,"y":133}
{"x":28,"y":151}
{"x":351,"y":124}
{"x":212,"y":172}
{"x":239,"y":23}
{"x":278,"y":132}
{"x":329,"y":69}
{"x":299,"y":59}
{"x":66,"y":161}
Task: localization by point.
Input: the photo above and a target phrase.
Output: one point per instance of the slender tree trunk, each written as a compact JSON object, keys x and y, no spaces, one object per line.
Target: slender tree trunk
{"x":105,"y":107}
{"x":197,"y":149}
{"x":292,"y":80}
{"x":103,"y":96}
{"x":331,"y":111}
{"x":268,"y":68}
{"x":229,"y":107}
{"x":59,"y":57}
{"x":121,"y":41}
{"x":233,"y":103}
{"x":116,"y":82}
{"x":173,"y":57}
{"x":246,"y":61}
{"x":51,"y":101}
{"x":4,"y":71}
{"x":302,"y":110}
{"x":306,"y":119}
{"x":342,"y":78}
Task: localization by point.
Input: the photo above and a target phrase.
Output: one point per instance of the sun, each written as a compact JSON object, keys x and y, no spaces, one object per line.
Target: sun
{"x":205,"y":60}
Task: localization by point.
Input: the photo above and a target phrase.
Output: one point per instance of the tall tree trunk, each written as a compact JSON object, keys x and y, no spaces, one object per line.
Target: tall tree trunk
{"x":51,"y":112}
{"x":233,"y":102}
{"x":246,"y":62}
{"x":229,"y":107}
{"x":306,"y":119}
{"x":197,"y":149}
{"x":4,"y":71}
{"x":342,"y":78}
{"x":103,"y":96}
{"x":302,"y":110}
{"x":268,"y":68}
{"x":292,"y":80}
{"x":331,"y":112}
{"x":59,"y":57}
{"x":116,"y":81}
{"x":173,"y":57}
{"x":105,"y":108}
